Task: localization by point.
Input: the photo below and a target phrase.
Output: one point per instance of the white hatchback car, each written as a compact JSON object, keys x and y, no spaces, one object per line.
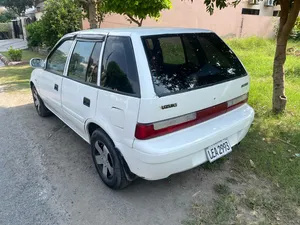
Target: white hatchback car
{"x":151,"y":101}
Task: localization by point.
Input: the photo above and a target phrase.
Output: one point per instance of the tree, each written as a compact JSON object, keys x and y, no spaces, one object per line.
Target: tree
{"x":18,"y":6}
{"x":137,"y":10}
{"x":60,"y":17}
{"x":93,"y":9}
{"x":7,"y":16}
{"x":288,"y":15}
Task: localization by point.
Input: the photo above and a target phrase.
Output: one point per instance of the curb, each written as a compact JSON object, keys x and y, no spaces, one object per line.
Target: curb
{"x":9,"y":63}
{"x":4,"y":60}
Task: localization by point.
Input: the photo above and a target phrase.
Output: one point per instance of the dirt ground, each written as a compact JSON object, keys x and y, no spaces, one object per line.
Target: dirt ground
{"x":47,"y":177}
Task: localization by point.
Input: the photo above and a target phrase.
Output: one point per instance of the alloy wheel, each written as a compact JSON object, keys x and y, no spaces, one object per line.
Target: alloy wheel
{"x":36,"y":100}
{"x":104,"y":160}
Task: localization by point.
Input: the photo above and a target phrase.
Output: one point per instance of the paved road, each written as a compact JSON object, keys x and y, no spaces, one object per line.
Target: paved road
{"x":47,"y":177}
{"x":15,"y":43}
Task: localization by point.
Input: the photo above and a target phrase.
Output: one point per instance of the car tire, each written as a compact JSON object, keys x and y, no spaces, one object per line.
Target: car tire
{"x":39,"y":105}
{"x":107,"y":161}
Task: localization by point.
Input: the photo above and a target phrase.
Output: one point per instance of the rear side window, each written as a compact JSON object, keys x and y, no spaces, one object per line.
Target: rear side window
{"x":84,"y":61}
{"x":92,"y":71}
{"x":119,"y":72}
{"x":183,"y":62}
{"x":80,"y":59}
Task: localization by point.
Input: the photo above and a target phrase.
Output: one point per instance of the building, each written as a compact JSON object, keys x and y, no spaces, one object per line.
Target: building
{"x":35,"y":12}
{"x":249,"y":18}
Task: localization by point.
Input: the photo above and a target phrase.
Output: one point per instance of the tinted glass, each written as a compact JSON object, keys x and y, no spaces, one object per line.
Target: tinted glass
{"x":57,"y":60}
{"x":119,"y":71}
{"x":92,"y":71}
{"x":190,"y":61}
{"x":80,"y":59}
{"x":172,"y":50}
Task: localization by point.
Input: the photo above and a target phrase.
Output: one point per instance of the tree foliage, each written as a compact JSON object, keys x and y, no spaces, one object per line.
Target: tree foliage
{"x":7,"y":16}
{"x":60,"y":17}
{"x":18,"y":6}
{"x":296,"y":31}
{"x":288,"y":16}
{"x":35,"y":34}
{"x":137,"y":10}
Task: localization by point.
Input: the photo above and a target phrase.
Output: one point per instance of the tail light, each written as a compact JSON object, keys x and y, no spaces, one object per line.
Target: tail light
{"x":151,"y":130}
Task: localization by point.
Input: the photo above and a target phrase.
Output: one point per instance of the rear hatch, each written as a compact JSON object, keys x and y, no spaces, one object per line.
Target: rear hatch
{"x":196,"y":77}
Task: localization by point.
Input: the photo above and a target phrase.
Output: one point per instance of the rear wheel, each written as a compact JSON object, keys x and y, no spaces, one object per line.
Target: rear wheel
{"x":39,"y":105}
{"x":108,"y":161}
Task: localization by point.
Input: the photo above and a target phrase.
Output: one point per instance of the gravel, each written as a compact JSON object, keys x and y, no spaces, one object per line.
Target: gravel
{"x":47,"y":177}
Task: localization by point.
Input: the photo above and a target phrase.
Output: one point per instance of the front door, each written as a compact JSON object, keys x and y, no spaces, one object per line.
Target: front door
{"x":50,"y":81}
{"x":79,"y":87}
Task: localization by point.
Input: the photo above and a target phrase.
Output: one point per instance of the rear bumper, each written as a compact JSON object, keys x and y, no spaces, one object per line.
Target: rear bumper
{"x":160,"y":157}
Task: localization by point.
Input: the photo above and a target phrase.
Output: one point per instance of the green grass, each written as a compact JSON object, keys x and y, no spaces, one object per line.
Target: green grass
{"x":272,"y":144}
{"x":273,"y":140}
{"x":14,"y":78}
{"x":255,"y":204}
{"x":26,"y":55}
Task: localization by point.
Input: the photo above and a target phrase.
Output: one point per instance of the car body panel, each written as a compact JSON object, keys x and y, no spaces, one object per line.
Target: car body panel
{"x":117,"y":114}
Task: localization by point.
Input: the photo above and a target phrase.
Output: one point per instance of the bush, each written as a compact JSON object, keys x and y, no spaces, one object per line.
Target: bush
{"x":15,"y":54}
{"x":34,"y":31}
{"x":7,"y":16}
{"x":60,"y":17}
{"x":4,"y":27}
{"x":295,"y":34}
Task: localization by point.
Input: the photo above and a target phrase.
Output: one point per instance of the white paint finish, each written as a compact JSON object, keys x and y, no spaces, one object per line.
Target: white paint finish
{"x":147,"y":91}
{"x":104,"y":117}
{"x":142,"y":31}
{"x":73,"y":93}
{"x":118,"y":114}
{"x":191,"y":101}
{"x":46,"y":83}
{"x":117,"y":117}
{"x":156,"y":158}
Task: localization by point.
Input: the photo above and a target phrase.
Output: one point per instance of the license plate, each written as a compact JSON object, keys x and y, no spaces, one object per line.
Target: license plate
{"x":218,"y":150}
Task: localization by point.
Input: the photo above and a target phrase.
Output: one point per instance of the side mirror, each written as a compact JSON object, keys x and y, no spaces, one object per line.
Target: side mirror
{"x":37,"y":63}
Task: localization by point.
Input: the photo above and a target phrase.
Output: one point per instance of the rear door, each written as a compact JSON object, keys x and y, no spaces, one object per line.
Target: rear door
{"x":79,"y":87}
{"x":49,"y":83}
{"x":190,"y":72}
{"x":119,"y":96}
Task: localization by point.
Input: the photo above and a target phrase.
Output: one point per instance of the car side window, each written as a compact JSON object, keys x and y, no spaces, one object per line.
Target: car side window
{"x":80,"y":59}
{"x":57,"y":60}
{"x":119,"y":71}
{"x":92,"y":71}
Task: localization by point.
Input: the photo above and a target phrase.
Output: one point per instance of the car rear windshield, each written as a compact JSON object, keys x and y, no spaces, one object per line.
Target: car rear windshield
{"x":183,"y":62}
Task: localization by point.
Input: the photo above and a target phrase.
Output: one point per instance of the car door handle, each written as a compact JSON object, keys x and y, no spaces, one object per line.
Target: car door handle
{"x":86,"y":102}
{"x":56,"y":87}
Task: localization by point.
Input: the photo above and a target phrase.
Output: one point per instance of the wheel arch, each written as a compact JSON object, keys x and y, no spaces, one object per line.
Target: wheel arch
{"x":91,"y":126}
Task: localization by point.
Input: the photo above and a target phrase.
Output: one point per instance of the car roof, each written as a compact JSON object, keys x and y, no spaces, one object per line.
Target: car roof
{"x":142,"y":31}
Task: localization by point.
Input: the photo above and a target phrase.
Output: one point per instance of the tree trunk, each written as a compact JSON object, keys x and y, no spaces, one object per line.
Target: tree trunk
{"x":279,"y":98}
{"x":140,"y":23}
{"x":287,"y":21}
{"x":132,"y":19}
{"x":93,"y":15}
